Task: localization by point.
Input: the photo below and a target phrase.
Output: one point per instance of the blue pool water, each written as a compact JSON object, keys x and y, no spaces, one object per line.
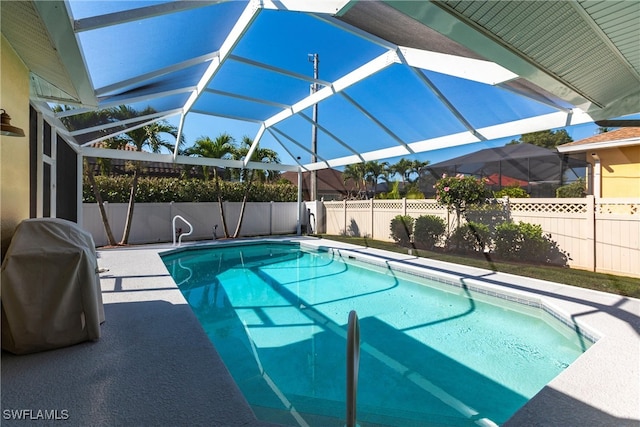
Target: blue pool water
{"x":431,"y":353}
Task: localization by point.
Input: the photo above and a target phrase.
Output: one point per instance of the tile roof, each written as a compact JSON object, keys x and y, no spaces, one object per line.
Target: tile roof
{"x":614,"y":135}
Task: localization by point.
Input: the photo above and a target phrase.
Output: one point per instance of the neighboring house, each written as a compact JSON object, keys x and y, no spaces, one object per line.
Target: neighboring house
{"x":329,"y":184}
{"x":538,"y":170}
{"x":615,"y":161}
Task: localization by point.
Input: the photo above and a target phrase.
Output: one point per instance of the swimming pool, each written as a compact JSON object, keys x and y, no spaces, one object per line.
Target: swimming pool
{"x":433,"y":353}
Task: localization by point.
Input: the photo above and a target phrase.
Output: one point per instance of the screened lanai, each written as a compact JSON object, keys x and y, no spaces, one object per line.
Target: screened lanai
{"x":389,"y":78}
{"x":537,"y":170}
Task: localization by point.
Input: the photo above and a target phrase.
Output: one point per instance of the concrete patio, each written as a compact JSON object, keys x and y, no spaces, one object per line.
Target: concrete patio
{"x":154,"y":364}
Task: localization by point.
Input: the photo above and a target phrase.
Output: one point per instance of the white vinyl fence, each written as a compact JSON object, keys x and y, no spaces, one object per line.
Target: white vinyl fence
{"x":599,"y":235}
{"x":152,"y":222}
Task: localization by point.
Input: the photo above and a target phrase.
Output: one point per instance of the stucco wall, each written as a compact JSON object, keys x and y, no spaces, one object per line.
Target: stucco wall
{"x":14,"y":151}
{"x":620,"y":171}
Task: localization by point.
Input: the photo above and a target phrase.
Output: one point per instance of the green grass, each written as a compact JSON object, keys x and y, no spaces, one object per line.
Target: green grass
{"x":619,"y":285}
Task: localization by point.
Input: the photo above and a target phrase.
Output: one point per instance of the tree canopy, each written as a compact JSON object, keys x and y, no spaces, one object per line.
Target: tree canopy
{"x":544,"y":138}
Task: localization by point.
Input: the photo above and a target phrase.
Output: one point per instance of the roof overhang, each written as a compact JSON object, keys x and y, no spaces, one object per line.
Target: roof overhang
{"x":581,"y":148}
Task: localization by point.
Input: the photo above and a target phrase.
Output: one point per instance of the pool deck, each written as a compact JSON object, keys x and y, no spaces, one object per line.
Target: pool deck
{"x":154,"y":364}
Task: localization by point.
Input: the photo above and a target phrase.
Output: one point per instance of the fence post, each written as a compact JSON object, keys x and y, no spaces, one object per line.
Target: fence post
{"x":271,"y":218}
{"x":404,"y":206}
{"x":507,"y":207}
{"x":344,"y":211}
{"x":372,"y":221}
{"x":590,"y":232}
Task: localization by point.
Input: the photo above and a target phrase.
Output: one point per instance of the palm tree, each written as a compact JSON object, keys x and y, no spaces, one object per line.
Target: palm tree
{"x":355,"y":172}
{"x":263,"y":155}
{"x":374,"y":170}
{"x":221,"y":147}
{"x":417,"y":167}
{"x":404,"y":168}
{"x":150,"y":136}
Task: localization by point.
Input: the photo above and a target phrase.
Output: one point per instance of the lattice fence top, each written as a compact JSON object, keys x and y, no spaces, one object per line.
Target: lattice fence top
{"x":539,"y":206}
{"x":387,"y":204}
{"x":424,"y":205}
{"x":567,"y":208}
{"x":333,"y":205}
{"x":358,"y":205}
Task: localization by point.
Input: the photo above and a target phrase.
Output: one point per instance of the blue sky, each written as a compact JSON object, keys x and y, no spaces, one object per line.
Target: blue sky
{"x":396,"y":96}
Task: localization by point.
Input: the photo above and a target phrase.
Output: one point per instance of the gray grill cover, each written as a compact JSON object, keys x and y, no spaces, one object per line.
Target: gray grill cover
{"x":51,"y":294}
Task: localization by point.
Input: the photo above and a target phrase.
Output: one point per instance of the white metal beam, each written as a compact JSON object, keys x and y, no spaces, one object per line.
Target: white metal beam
{"x":179,"y":136}
{"x":278,"y":70}
{"x":310,"y":6}
{"x":248,"y":15}
{"x":534,"y":97}
{"x":144,"y":156}
{"x":330,"y":134}
{"x":247,"y":98}
{"x":254,"y":144}
{"x":378,"y":123}
{"x":465,"y":68}
{"x":120,"y":100}
{"x":360,"y":73}
{"x":115,"y":18}
{"x":324,"y":161}
{"x":355,"y":31}
{"x":225,"y":116}
{"x":284,"y":147}
{"x":142,"y":78}
{"x":445,"y":101}
{"x":119,"y":123}
{"x":166,"y":115}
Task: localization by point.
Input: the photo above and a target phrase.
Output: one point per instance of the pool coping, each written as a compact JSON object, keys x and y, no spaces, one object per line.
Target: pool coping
{"x":599,"y":388}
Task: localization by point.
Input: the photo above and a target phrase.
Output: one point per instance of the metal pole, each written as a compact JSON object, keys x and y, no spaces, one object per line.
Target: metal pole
{"x":353,"y":366}
{"x":299,"y":223}
{"x":313,"y":191}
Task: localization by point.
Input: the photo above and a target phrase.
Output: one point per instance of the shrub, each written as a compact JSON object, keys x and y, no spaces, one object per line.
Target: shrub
{"x":428,"y":230}
{"x":470,"y":237}
{"x":459,"y":192}
{"x":401,"y":229}
{"x":513,"y":192}
{"x":575,"y":189}
{"x":491,"y":214}
{"x":522,"y":241}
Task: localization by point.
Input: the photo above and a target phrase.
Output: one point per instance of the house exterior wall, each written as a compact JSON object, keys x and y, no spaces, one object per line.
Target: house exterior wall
{"x":620,"y":171}
{"x":14,"y":151}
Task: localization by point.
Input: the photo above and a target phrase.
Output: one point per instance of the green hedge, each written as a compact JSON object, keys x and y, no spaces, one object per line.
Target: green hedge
{"x":401,"y":229}
{"x":469,"y":237}
{"x":428,"y":231}
{"x":163,"y":190}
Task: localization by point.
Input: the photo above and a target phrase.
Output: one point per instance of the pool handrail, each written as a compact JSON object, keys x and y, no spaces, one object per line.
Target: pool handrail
{"x":353,"y":363}
{"x":173,"y":224}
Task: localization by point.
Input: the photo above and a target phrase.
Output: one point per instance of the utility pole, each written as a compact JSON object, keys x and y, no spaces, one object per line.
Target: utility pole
{"x":313,"y":188}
